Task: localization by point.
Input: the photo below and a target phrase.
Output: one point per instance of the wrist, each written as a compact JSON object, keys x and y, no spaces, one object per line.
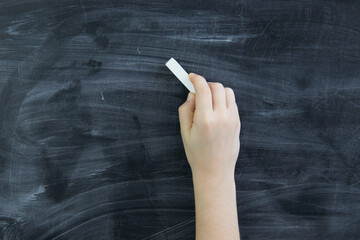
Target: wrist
{"x":214,"y":182}
{"x":215,"y":207}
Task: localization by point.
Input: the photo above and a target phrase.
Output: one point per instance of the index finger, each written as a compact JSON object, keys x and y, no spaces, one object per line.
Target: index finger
{"x":203,"y":99}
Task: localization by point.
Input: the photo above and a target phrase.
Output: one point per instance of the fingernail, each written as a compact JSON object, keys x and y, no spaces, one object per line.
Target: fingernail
{"x":190,"y":96}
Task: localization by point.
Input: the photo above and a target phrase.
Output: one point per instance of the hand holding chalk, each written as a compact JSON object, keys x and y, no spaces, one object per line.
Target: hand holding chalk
{"x":210,"y":129}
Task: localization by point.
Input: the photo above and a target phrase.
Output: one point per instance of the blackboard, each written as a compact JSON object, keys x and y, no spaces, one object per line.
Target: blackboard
{"x":90,"y":144}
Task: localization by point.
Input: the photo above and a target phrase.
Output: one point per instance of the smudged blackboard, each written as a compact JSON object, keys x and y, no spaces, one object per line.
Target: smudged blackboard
{"x":90,"y":145}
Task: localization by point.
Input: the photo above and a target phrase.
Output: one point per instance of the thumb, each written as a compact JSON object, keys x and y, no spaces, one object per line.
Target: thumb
{"x":186,"y":113}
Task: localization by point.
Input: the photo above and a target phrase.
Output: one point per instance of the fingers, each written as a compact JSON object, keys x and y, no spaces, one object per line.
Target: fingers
{"x":230,"y":98}
{"x":186,"y":114}
{"x":218,"y":96}
{"x":213,"y":96}
{"x":231,"y":102}
{"x":203,"y":93}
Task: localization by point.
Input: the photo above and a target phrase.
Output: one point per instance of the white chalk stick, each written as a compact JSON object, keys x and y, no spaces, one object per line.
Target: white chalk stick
{"x":180,"y":73}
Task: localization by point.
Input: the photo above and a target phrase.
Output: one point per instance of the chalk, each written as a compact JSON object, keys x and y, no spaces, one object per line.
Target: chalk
{"x":180,"y":73}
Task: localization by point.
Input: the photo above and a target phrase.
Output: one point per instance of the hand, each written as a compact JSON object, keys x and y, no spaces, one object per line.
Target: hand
{"x":210,"y":128}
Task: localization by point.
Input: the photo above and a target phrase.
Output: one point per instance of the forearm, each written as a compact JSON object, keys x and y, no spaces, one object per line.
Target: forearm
{"x":215,"y":208}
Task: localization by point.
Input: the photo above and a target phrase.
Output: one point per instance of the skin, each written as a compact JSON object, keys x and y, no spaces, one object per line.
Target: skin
{"x":210,"y":128}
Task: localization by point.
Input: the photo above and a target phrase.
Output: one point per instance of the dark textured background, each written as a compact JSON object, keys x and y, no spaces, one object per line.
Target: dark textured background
{"x":90,"y":145}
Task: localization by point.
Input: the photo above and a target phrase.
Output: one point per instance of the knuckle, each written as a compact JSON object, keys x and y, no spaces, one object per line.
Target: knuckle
{"x":198,"y":80}
{"x":235,"y":110}
{"x":233,"y":121}
{"x":207,"y":123}
{"x":204,"y":89}
{"x":238,"y":124}
{"x":218,"y":85}
{"x":221,"y":120}
{"x":229,"y":91}
{"x":236,"y":121}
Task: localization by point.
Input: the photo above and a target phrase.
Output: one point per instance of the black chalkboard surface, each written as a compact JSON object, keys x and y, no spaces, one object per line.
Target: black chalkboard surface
{"x":90,"y":144}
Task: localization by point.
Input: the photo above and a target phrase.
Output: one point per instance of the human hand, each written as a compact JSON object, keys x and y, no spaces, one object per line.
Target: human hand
{"x":210,"y":128}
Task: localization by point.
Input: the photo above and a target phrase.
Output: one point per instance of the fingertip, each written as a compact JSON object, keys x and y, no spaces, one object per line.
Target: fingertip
{"x":192,"y":76}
